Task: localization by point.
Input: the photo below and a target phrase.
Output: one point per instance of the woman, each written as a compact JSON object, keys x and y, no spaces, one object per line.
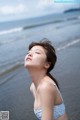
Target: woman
{"x":48,"y":102}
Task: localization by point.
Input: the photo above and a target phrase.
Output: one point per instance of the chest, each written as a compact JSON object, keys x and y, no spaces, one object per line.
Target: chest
{"x":37,"y":102}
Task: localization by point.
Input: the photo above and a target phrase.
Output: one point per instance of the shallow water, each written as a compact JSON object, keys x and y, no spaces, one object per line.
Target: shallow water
{"x":14,"y":79}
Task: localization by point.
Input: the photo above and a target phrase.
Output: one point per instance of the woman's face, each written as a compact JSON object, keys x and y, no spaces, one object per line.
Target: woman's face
{"x":36,"y":58}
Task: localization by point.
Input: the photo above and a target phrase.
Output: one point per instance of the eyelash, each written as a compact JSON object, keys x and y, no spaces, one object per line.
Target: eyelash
{"x":37,"y":52}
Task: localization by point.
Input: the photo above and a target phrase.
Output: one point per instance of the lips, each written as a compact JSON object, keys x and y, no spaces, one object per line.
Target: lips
{"x":28,"y":58}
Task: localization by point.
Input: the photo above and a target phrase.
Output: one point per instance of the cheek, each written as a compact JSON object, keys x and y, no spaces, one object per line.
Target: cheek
{"x":41,"y":61}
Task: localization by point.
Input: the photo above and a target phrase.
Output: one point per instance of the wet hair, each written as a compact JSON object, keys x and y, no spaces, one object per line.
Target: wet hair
{"x":50,"y":53}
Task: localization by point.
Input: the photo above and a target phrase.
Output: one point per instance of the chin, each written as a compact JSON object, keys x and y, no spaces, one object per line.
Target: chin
{"x":28,"y":65}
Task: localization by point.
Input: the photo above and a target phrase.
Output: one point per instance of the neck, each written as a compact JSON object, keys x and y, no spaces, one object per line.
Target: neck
{"x":37,"y":76}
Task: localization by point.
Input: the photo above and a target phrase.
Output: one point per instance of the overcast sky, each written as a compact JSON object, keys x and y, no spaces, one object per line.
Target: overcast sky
{"x":18,"y":9}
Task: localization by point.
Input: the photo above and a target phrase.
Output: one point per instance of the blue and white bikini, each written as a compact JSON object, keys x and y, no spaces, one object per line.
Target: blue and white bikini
{"x":59,"y":110}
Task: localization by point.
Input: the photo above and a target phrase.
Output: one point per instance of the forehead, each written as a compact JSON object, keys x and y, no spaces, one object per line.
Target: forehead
{"x":39,"y":48}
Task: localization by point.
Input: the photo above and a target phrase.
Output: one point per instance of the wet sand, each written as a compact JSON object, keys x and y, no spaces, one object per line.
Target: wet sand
{"x":16,"y":97}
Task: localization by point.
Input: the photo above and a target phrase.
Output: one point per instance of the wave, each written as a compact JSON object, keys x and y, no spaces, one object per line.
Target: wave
{"x":42,"y":24}
{"x":52,"y":22}
{"x":11,"y":31}
{"x":7,"y":79}
{"x":19,"y":64}
{"x":68,"y":44}
{"x":14,"y":30}
{"x":69,"y":19}
{"x":11,"y":68}
{"x":73,"y":18}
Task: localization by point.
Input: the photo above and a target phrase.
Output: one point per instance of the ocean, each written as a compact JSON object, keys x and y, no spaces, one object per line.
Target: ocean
{"x":64,"y":32}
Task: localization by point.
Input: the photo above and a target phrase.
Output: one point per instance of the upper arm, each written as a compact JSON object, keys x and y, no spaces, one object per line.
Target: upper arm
{"x":47,"y":97}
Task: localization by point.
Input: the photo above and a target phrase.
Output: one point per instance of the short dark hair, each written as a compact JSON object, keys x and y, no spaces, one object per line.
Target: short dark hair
{"x":50,"y":53}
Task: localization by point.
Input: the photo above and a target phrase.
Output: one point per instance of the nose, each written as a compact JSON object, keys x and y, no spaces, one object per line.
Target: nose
{"x":30,"y":54}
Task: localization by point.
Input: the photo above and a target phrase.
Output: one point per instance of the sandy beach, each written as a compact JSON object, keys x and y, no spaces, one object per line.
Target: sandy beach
{"x":16,"y":98}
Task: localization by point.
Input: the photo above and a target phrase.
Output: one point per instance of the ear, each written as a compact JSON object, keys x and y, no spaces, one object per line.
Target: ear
{"x":47,"y":65}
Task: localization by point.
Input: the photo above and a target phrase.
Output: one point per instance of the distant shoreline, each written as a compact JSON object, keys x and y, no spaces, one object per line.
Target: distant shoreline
{"x":72,"y":10}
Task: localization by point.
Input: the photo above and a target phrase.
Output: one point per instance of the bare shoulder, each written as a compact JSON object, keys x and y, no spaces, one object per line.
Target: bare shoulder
{"x":47,"y":93}
{"x":47,"y":87}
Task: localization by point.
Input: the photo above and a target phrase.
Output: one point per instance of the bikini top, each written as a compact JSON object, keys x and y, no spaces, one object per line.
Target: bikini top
{"x":58,"y":110}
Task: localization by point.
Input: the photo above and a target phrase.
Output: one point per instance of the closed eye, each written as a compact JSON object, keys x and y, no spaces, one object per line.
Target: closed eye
{"x":37,"y":52}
